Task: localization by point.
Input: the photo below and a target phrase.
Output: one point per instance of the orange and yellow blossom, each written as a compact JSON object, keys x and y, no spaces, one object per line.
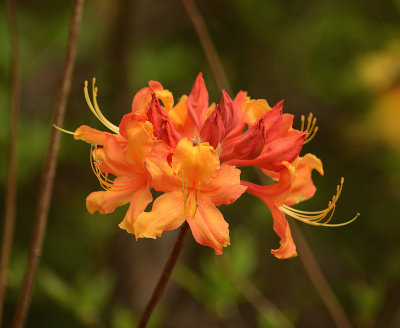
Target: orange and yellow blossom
{"x":189,"y":151}
{"x":194,"y":183}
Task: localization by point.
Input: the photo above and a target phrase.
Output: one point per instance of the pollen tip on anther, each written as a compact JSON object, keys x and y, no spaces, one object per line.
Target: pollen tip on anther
{"x":94,"y":80}
{"x":86,"y":83}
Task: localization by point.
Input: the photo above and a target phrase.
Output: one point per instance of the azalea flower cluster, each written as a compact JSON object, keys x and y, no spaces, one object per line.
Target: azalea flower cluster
{"x":190,"y":152}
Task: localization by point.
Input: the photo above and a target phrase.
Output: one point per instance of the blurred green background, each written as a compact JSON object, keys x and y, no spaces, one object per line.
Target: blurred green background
{"x":337,"y":59}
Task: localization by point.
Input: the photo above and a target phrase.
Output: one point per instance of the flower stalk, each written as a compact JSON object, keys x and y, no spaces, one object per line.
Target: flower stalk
{"x":164,"y":278}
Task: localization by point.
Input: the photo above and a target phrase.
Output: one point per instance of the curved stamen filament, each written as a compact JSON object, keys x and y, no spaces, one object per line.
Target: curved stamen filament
{"x":96,"y":109}
{"x":315,"y":217}
{"x":104,"y":181}
{"x":311,"y":128}
{"x":62,"y":130}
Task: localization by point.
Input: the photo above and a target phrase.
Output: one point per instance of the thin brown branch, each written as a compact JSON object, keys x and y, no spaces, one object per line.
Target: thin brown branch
{"x":49,"y":172}
{"x":11,"y":193}
{"x":318,"y":279}
{"x":166,"y":273}
{"x":207,"y":44}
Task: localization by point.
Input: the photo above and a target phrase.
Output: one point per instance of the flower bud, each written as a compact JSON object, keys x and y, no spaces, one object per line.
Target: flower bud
{"x":213,"y":130}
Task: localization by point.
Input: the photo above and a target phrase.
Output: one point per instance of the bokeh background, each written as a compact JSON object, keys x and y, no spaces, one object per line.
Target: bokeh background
{"x":337,"y":59}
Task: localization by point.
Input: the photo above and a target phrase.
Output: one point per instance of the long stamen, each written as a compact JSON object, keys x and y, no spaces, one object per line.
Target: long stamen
{"x":63,"y":130}
{"x":95,"y":109}
{"x":315,"y":217}
{"x":111,"y":126}
{"x":311,"y":128}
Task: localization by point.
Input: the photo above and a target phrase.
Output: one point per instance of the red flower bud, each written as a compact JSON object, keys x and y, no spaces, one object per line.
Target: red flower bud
{"x":168,"y":133}
{"x":197,"y":102}
{"x":229,"y":112}
{"x":248,"y":145}
{"x":213,"y":130}
{"x":156,"y":114}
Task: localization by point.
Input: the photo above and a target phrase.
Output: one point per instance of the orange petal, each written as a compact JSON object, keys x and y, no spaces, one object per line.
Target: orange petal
{"x":90,"y":135}
{"x":115,"y":157}
{"x":225,"y":188}
{"x":141,"y":101}
{"x":198,"y":163}
{"x":167,"y":214}
{"x":107,"y":201}
{"x":282,"y":229}
{"x":138,"y":202}
{"x":140,"y":141}
{"x":142,"y":98}
{"x":275,"y":196}
{"x":209,"y":227}
{"x":163,"y":176}
{"x":303,"y":187}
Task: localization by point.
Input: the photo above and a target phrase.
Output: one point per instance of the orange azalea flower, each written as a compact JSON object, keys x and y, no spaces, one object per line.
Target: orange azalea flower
{"x":188,"y":151}
{"x":194,"y":184}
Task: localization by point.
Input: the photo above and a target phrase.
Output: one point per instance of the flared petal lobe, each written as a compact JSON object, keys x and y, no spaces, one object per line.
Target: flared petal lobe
{"x":107,"y":201}
{"x":275,"y":196}
{"x":225,"y":188}
{"x":137,"y":205}
{"x":303,"y":187}
{"x":167,"y":214}
{"x":209,"y":227}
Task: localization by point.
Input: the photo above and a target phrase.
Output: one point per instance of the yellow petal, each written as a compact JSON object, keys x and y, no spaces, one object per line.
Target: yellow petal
{"x":198,"y":163}
{"x":166,"y":97}
{"x":254,"y":109}
{"x":167,"y":214}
